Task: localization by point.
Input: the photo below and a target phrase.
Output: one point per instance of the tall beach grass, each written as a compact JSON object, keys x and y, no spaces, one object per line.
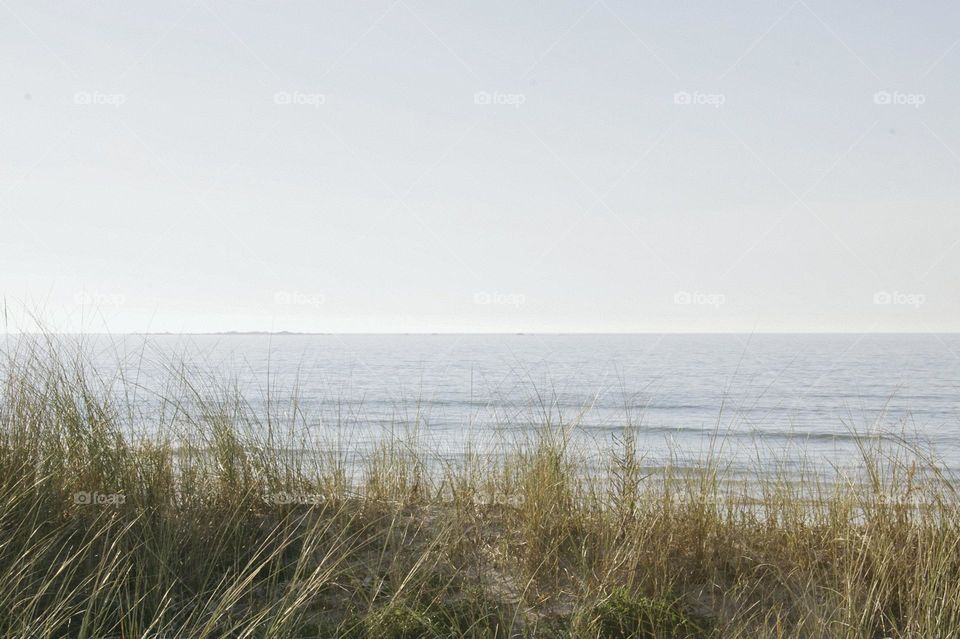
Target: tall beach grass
{"x":218,"y":520}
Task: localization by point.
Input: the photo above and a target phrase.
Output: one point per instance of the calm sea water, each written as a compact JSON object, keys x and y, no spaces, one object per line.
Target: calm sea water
{"x":766,"y":394}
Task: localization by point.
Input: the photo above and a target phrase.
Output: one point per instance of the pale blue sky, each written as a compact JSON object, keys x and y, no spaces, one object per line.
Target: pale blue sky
{"x":458,"y":166}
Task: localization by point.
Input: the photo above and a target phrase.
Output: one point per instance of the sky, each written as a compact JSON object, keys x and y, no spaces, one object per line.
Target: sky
{"x":411,"y":166}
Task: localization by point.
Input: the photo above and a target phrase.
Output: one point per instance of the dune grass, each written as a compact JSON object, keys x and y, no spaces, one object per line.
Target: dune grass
{"x":212,"y":525}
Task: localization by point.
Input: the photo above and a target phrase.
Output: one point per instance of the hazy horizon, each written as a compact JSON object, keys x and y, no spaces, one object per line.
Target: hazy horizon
{"x":43,"y":331}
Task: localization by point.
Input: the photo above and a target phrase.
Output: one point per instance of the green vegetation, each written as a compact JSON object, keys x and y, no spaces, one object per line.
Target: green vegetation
{"x":222,"y":523}
{"x":625,"y":615}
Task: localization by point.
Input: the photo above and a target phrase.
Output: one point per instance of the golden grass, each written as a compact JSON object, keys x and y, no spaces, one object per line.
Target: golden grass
{"x":212,"y":527}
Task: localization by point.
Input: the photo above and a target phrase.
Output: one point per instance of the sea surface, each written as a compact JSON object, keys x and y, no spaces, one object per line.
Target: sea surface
{"x":746,"y":397}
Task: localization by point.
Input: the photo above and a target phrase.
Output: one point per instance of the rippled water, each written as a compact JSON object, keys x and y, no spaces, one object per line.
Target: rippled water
{"x":764,"y":392}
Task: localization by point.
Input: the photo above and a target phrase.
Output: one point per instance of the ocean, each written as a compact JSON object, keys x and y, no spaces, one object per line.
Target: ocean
{"x":814,"y":397}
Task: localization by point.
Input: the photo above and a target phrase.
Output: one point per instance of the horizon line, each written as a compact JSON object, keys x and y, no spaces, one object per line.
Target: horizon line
{"x":464,"y":333}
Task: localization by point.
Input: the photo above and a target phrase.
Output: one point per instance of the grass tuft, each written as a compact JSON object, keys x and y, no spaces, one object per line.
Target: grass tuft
{"x":624,"y":615}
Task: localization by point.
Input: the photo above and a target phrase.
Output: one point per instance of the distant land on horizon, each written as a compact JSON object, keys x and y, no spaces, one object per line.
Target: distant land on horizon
{"x":465,"y":333}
